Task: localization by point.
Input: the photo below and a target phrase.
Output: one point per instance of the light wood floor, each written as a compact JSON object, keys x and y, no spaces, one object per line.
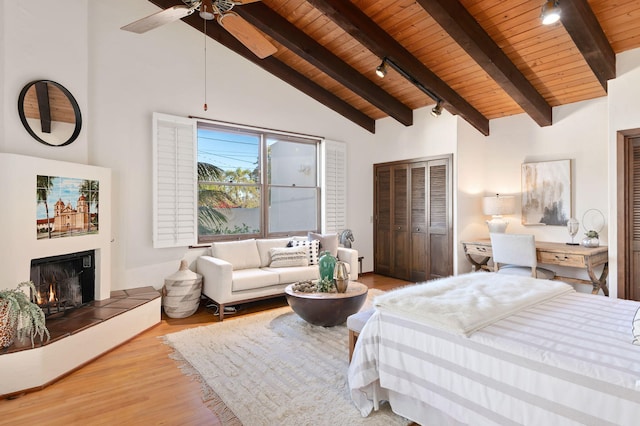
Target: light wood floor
{"x":137,"y":382}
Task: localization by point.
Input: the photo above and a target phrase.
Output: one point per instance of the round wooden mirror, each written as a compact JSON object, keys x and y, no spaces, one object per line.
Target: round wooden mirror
{"x":49,"y":112}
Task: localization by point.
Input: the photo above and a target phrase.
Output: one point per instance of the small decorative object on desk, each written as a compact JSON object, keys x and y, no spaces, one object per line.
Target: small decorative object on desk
{"x":181,"y":292}
{"x":593,"y":224}
{"x":326,"y":264}
{"x":341,"y":276}
{"x":17,"y":309}
{"x":573,"y":226}
{"x":591,"y":239}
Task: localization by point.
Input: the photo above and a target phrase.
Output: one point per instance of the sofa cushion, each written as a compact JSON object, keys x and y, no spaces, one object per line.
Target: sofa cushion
{"x":296,"y":273}
{"x":312,"y":249}
{"x":327,"y":242}
{"x":284,"y":257}
{"x":265,"y":244}
{"x":250,"y":279}
{"x":240,"y":254}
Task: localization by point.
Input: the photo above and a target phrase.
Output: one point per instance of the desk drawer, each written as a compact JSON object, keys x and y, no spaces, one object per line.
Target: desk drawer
{"x":479,"y":250}
{"x":573,"y":260}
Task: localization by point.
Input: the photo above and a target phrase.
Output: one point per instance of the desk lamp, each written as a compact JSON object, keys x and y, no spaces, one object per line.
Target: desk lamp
{"x":496,"y":207}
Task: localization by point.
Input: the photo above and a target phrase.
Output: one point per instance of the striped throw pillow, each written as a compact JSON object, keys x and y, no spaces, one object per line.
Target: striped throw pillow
{"x":283,"y":257}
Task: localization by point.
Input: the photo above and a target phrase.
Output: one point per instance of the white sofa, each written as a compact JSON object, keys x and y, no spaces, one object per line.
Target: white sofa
{"x":240,"y":271}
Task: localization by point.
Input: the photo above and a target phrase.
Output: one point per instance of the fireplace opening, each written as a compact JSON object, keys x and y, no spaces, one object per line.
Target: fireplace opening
{"x":63,"y":282}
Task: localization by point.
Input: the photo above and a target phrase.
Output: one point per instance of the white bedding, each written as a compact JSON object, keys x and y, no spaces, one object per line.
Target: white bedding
{"x":469,"y":302}
{"x":566,"y":361}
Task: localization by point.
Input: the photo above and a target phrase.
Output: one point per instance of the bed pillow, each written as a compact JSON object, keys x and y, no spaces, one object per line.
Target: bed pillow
{"x":636,"y":328}
{"x":327,"y":242}
{"x":312,"y":247}
{"x":283,"y":257}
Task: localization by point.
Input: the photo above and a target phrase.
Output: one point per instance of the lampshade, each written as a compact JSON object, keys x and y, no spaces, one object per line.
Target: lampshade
{"x":498,"y":205}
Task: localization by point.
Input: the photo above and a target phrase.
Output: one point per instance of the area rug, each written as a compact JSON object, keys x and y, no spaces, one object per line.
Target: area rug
{"x":273,"y":368}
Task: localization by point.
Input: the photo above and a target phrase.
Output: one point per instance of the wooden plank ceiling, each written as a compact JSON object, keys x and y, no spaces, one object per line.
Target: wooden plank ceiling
{"x":484,"y":59}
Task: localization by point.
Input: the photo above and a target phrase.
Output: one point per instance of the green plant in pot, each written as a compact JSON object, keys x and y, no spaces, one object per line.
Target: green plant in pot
{"x":20,"y":318}
{"x":591,"y":239}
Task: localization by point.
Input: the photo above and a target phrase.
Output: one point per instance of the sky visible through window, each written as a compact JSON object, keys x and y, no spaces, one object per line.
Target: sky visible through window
{"x":228,"y":150}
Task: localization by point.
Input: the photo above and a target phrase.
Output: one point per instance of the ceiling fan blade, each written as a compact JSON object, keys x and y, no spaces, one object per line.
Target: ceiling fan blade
{"x":158,"y":19}
{"x":247,"y":34}
{"x":241,"y":2}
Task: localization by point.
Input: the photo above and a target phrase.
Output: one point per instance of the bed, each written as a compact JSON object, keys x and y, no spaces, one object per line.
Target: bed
{"x":564,"y":359}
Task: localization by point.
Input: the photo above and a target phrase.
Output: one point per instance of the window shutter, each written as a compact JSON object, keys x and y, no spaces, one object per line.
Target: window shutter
{"x":334,"y":186}
{"x":175,"y":192}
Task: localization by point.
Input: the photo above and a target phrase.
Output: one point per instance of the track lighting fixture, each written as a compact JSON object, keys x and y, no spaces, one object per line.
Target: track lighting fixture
{"x":437,"y":110}
{"x":381,"y":70}
{"x":550,"y":12}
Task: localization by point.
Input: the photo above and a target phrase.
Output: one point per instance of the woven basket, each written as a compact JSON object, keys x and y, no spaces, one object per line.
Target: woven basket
{"x":7,"y":333}
{"x":181,"y":292}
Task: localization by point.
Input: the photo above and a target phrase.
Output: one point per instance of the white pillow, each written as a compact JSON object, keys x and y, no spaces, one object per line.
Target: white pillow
{"x":240,"y":254}
{"x":328,"y":242}
{"x":636,"y":328}
{"x":312,"y":247}
{"x":283,"y":257}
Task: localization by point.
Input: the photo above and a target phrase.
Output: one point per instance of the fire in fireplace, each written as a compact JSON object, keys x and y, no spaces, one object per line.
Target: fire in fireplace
{"x":63,"y":282}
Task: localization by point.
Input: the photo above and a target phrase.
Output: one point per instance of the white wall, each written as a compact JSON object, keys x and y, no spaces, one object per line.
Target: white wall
{"x":43,"y":40}
{"x":120,"y":78}
{"x":133,"y":75}
{"x":624,"y":114}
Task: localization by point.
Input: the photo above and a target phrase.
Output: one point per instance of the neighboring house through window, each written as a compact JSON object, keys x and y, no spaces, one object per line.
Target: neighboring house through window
{"x":245,"y":182}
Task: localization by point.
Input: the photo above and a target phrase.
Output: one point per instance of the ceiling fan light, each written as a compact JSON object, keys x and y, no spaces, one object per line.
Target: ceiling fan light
{"x":206,"y":11}
{"x":437,"y":110}
{"x":550,"y":12}
{"x":381,"y":70}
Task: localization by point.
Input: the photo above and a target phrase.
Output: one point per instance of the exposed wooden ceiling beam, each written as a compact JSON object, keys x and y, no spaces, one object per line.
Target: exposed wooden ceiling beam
{"x":452,"y":16}
{"x":586,"y":32}
{"x":278,"y":69}
{"x":287,"y":34}
{"x":368,"y":33}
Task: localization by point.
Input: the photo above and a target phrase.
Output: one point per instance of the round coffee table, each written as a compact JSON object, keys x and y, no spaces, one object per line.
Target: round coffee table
{"x":327,"y":309}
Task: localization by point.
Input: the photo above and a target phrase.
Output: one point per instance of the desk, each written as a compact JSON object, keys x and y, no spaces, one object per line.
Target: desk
{"x":553,"y":254}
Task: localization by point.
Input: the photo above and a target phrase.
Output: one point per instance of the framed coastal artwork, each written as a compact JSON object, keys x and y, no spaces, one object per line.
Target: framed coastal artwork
{"x":546,"y":193}
{"x":66,"y":207}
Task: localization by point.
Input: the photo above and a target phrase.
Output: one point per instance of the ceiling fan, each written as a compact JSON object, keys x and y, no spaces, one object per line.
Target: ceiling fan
{"x":208,"y":10}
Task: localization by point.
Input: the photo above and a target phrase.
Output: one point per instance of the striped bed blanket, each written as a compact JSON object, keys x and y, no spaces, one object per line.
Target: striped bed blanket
{"x":568,"y":360}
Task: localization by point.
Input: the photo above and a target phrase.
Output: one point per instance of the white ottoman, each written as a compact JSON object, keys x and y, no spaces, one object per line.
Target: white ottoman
{"x":355,"y":323}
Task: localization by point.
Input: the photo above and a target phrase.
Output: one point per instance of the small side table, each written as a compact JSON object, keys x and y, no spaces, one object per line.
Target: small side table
{"x":360,"y":264}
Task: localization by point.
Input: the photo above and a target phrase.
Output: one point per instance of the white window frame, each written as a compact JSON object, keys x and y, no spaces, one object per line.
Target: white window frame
{"x":175,"y":207}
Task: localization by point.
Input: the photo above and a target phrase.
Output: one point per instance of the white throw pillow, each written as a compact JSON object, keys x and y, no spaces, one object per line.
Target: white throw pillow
{"x":328,"y":242}
{"x":312,"y":247}
{"x":283,"y":257}
{"x":636,"y":328}
{"x":240,"y":254}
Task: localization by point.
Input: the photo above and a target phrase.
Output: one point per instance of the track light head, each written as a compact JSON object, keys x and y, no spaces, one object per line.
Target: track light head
{"x":437,"y":110}
{"x":381,"y":70}
{"x":550,"y":12}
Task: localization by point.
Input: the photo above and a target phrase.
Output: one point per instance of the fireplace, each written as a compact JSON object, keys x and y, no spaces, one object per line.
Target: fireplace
{"x":64,"y":282}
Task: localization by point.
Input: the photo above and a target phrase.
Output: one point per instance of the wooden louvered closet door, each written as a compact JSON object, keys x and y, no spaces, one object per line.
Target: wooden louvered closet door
{"x":634,"y":235}
{"x":413,"y":225}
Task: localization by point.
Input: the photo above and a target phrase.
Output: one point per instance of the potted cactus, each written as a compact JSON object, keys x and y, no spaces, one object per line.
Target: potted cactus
{"x":20,"y":318}
{"x":592,"y":239}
